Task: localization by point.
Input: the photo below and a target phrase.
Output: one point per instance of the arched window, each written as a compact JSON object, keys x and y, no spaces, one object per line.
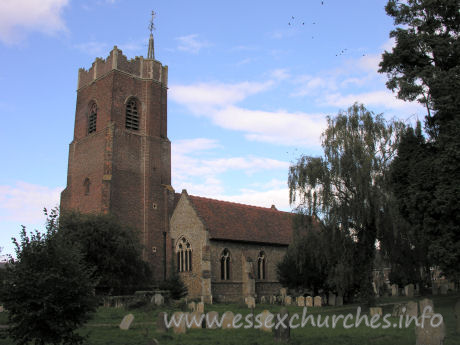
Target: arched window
{"x":87,"y":185}
{"x":184,"y":256}
{"x":132,"y":115}
{"x":92,"y":118}
{"x":261,"y":266}
{"x":225,"y":265}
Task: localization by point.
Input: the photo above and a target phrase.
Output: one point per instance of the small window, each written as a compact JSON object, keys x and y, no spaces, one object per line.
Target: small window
{"x":225,"y":265}
{"x":87,"y":186}
{"x":184,"y":256}
{"x":132,"y":115}
{"x":261,"y":266}
{"x":92,"y":119}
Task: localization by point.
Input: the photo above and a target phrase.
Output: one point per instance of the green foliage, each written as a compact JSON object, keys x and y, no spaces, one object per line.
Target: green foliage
{"x":175,"y":286}
{"x":347,"y":190}
{"x":111,"y":248}
{"x":48,"y":290}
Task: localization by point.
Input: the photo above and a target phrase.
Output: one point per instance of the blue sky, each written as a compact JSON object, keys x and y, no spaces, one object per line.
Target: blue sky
{"x":250,"y":86}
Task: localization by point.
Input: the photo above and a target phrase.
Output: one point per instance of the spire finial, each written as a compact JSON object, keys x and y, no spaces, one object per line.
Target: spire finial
{"x":150,"y":53}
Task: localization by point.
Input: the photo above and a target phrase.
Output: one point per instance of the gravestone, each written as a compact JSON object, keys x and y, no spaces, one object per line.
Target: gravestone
{"x":317,"y":301}
{"x":160,"y":325}
{"x":158,"y":299}
{"x":339,"y":301}
{"x":196,"y":315}
{"x":434,"y":289}
{"x":267,"y":320}
{"x":429,"y":335}
{"x":272,"y":299}
{"x":301,"y":301}
{"x":457,"y":315}
{"x":331,"y":299}
{"x":181,"y":328}
{"x":2,"y":309}
{"x":425,"y":303}
{"x":452,"y":287}
{"x":444,"y":288}
{"x":200,"y":307}
{"x":395,"y":290}
{"x":263,"y":300}
{"x":398,"y":309}
{"x":126,"y":322}
{"x":283,"y":292}
{"x":409,"y":290}
{"x":191,"y":306}
{"x":288,"y":300}
{"x":375,"y":311}
{"x":309,"y":301}
{"x":282,"y":334}
{"x":228,"y":320}
{"x":212,"y":317}
{"x":250,"y":302}
{"x":412,"y":309}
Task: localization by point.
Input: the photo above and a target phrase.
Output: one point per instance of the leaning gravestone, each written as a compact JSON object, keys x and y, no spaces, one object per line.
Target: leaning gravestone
{"x":282,"y":334}
{"x":412,"y":309}
{"x":126,"y":322}
{"x":250,"y":302}
{"x":309,"y":301}
{"x":158,"y":299}
{"x":429,"y":335}
{"x":227,"y":322}
{"x":331,"y":299}
{"x":212,"y":317}
{"x":179,"y":327}
{"x":200,"y":307}
{"x":317,"y":301}
{"x":409,"y":290}
{"x":301,"y":301}
{"x":267,"y":320}
{"x":288,"y":300}
{"x":161,"y":326}
{"x":457,"y":315}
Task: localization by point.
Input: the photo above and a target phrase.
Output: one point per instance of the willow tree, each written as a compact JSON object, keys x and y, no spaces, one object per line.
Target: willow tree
{"x":346,"y":188}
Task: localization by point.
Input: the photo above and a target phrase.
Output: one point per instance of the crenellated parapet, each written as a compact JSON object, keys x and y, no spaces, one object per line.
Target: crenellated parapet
{"x":137,"y":67}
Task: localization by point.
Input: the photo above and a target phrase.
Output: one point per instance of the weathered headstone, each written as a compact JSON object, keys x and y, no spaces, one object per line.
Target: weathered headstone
{"x":2,"y":309}
{"x":160,"y":325}
{"x":272,"y":299}
{"x":267,"y":320}
{"x":180,"y":317}
{"x":195,"y":319}
{"x":158,"y":299}
{"x":444,"y":288}
{"x":412,"y":309}
{"x":331,"y":299}
{"x":212,"y":317}
{"x":228,"y":320}
{"x":288,"y":300}
{"x":309,"y":301}
{"x":395,"y":290}
{"x":339,"y":301}
{"x":434,"y":288}
{"x":191,"y":306}
{"x":282,"y":334}
{"x":457,"y":315}
{"x":409,"y":290}
{"x":283,"y":292}
{"x":425,"y":303}
{"x":398,"y":309}
{"x":301,"y":301}
{"x":126,"y":322}
{"x":375,"y":311}
{"x":263,"y":300}
{"x":429,"y":335}
{"x":250,"y":302}
{"x":200,"y":307}
{"x":317,"y":301}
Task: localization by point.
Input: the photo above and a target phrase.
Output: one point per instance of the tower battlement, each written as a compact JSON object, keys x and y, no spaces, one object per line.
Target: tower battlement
{"x":137,"y":67}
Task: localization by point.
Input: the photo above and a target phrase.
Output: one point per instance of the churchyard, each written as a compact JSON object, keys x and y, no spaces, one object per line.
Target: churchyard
{"x":141,"y":327}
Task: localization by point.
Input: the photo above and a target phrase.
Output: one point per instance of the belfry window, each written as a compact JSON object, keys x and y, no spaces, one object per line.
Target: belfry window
{"x":184,"y":256}
{"x":261,"y":266}
{"x":132,"y":115}
{"x":92,"y":119}
{"x":225,"y":265}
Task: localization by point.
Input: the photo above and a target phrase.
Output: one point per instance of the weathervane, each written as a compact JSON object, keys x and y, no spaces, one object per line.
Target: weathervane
{"x":150,"y":53}
{"x":151,"y":25}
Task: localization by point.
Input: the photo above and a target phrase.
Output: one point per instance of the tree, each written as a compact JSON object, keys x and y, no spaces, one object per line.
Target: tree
{"x":48,"y":290}
{"x":175,"y":286}
{"x":111,"y":248}
{"x":346,"y":187}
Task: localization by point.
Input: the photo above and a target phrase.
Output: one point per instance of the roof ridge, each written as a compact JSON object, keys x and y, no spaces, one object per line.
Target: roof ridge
{"x":240,"y":204}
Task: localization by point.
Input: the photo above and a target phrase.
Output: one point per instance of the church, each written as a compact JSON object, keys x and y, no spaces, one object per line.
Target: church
{"x":120,"y":163}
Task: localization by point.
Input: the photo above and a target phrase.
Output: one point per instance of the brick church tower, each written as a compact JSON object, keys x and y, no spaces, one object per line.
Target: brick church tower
{"x":120,"y":156}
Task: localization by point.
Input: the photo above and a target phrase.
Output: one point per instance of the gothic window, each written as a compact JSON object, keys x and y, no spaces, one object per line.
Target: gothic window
{"x":184,"y":256}
{"x":92,"y":118}
{"x":261,"y":266}
{"x":132,"y":115}
{"x":225,"y":265}
{"x":87,"y":185}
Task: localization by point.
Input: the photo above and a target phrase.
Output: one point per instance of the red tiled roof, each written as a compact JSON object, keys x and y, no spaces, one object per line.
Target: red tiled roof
{"x":238,"y":222}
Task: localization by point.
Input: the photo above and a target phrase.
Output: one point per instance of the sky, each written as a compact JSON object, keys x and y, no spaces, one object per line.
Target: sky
{"x":250,"y":86}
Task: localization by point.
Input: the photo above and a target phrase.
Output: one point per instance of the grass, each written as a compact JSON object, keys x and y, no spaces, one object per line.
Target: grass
{"x":103,"y":328}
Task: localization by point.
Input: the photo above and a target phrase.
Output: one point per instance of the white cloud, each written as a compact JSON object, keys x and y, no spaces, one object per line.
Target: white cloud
{"x":191,"y":43}
{"x":18,"y":17}
{"x":93,"y":48}
{"x":280,"y":74}
{"x":24,"y":202}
